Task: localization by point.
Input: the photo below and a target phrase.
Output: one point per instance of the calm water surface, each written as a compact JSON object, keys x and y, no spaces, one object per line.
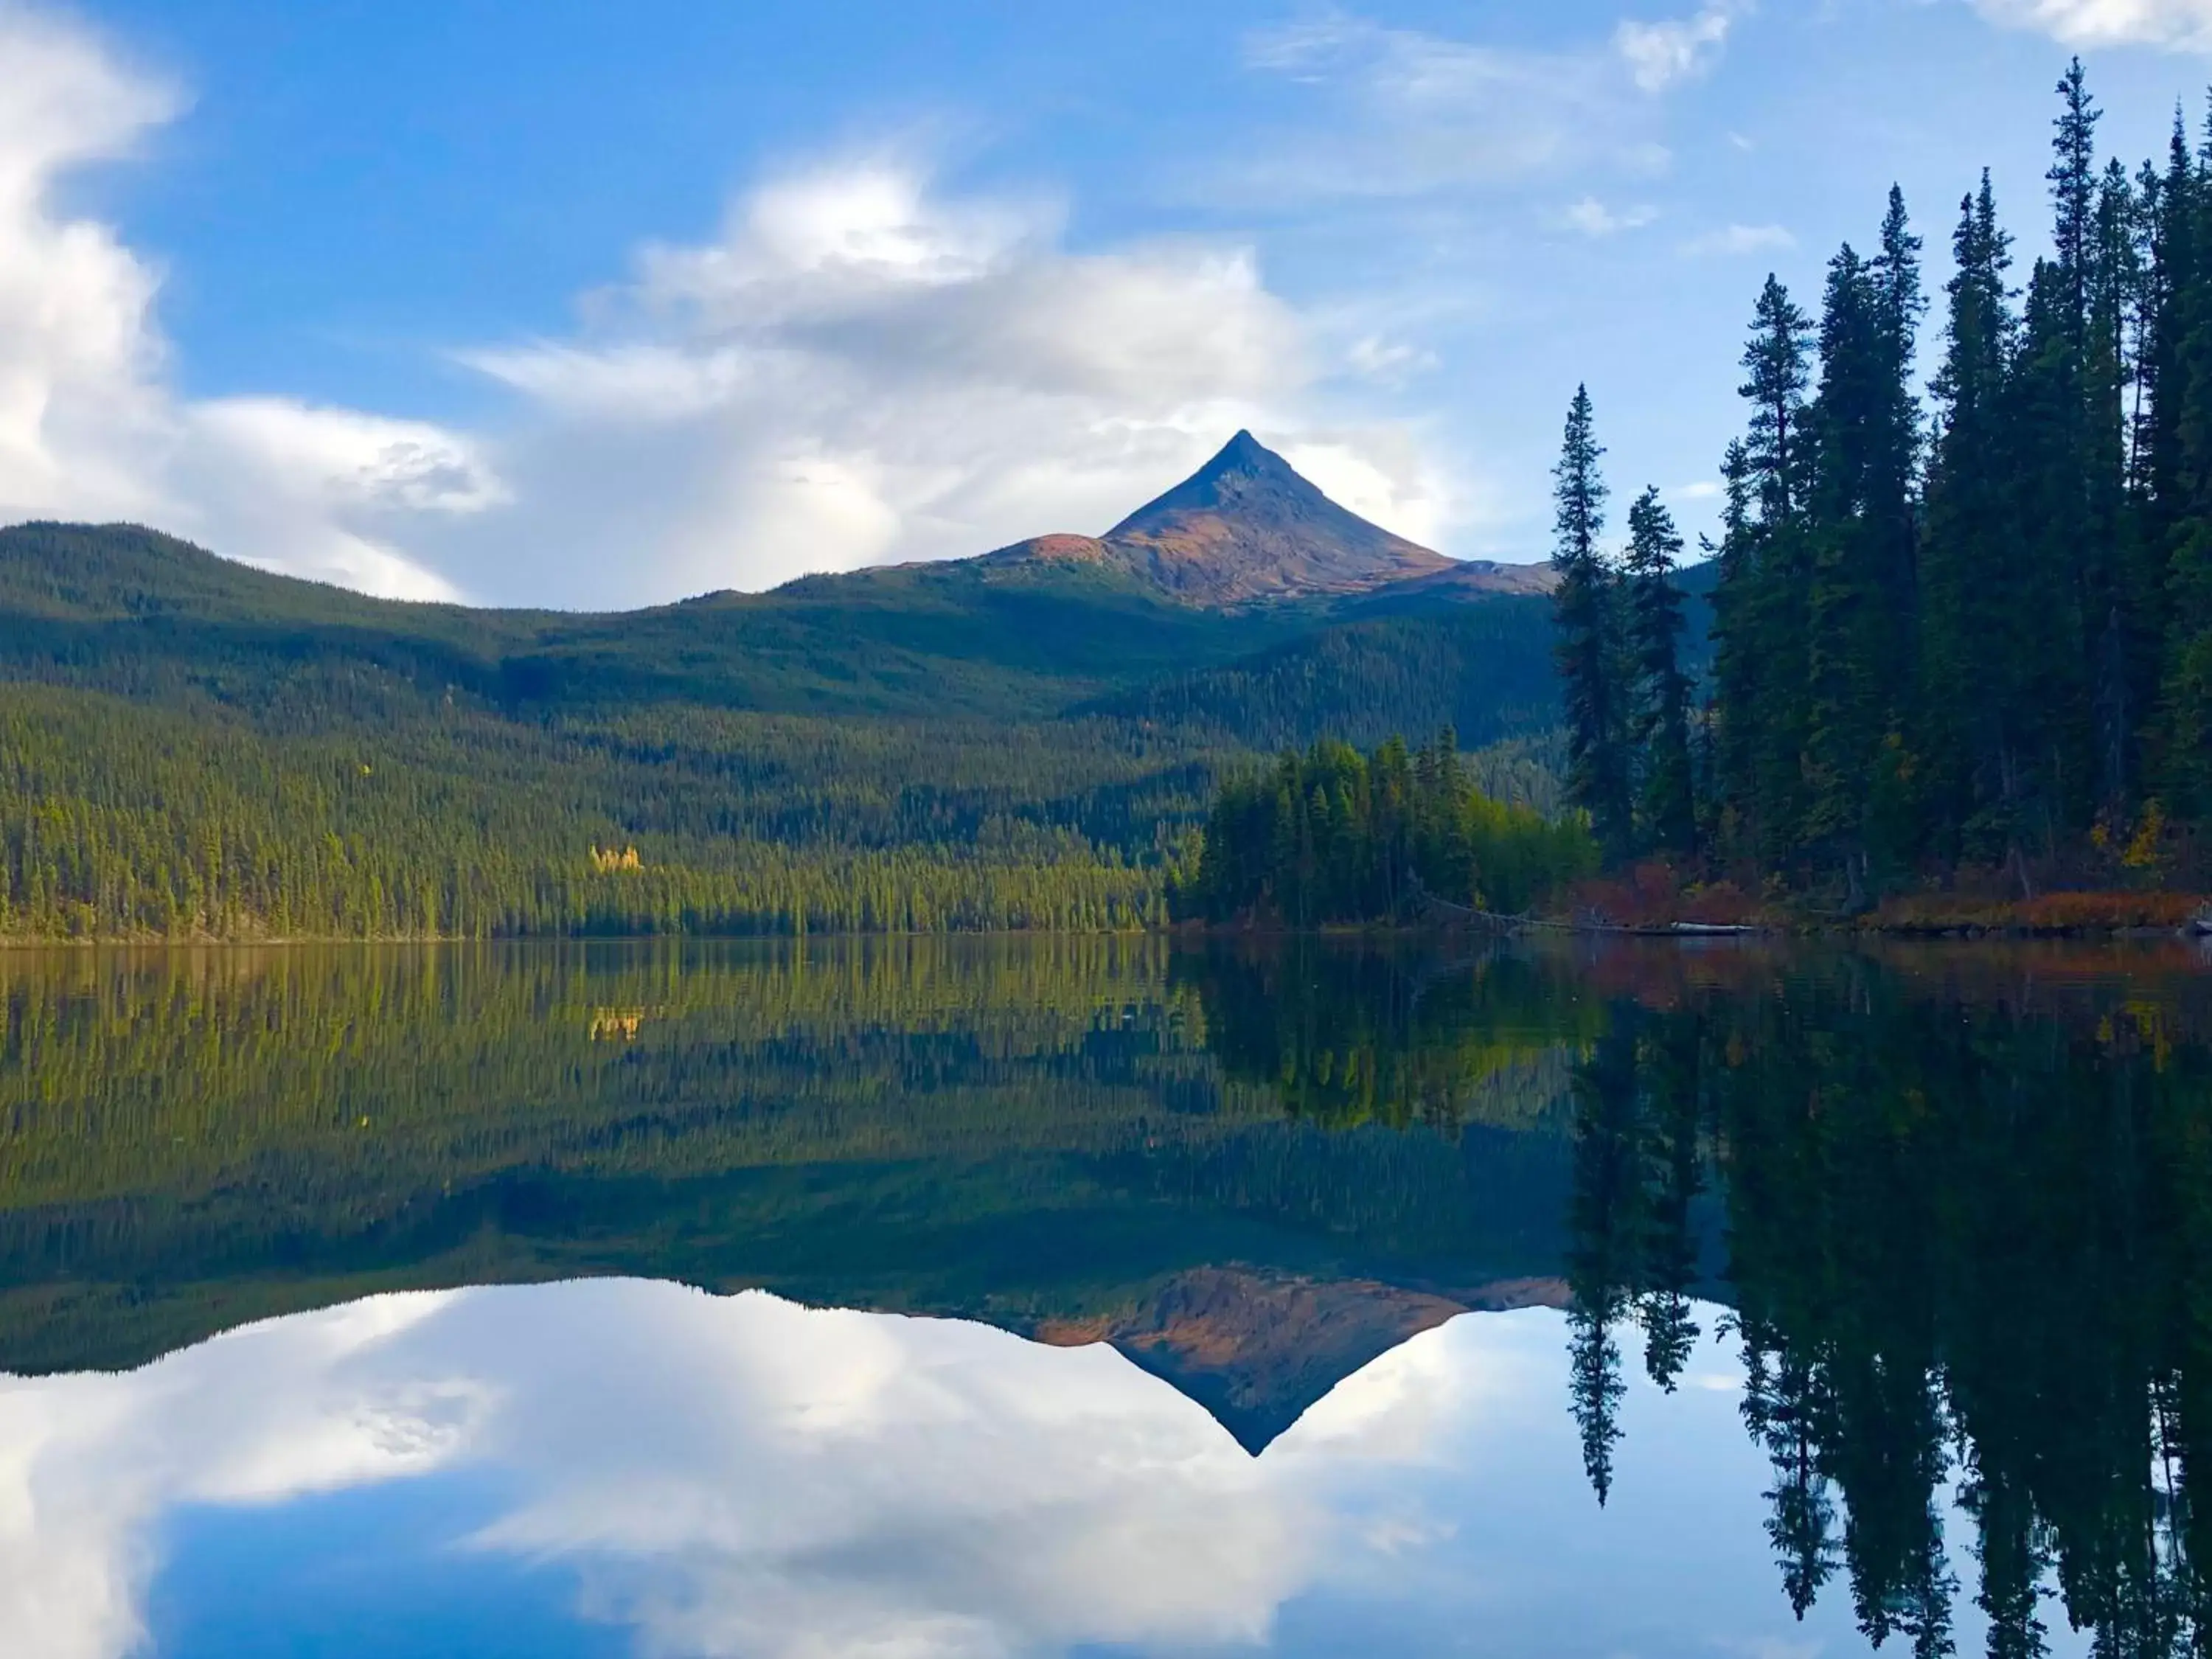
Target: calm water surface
{"x":1084,"y":1296}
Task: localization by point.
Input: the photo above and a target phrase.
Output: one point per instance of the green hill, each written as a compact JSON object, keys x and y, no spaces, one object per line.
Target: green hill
{"x":189,"y":746}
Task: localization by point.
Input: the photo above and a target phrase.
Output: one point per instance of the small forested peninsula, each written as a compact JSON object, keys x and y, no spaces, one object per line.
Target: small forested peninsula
{"x":1960,"y":640}
{"x":1336,"y":837}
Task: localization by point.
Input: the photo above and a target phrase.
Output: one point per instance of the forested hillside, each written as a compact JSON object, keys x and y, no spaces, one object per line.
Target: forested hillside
{"x":192,"y":748}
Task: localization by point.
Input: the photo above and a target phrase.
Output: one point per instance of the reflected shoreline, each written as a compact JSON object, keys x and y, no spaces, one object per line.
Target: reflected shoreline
{"x":1952,"y":1207}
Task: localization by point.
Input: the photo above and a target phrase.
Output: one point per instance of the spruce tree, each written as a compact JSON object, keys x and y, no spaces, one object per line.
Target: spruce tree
{"x":1587,"y":609}
{"x":1861,"y":601}
{"x":1761,"y":619}
{"x":2117,"y":581}
{"x":1732,"y":718}
{"x":1776,"y":376}
{"x":2035,"y":655}
{"x":1660,"y":727}
{"x":1850,"y":668}
{"x":2182,"y":727}
{"x":2073,"y":178}
{"x":1967,"y":545}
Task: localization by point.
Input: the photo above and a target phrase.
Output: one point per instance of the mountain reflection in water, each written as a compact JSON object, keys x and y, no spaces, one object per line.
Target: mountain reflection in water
{"x":1821,"y":1300}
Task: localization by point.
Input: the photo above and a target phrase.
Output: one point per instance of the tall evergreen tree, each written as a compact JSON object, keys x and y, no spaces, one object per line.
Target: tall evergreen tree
{"x":2183,"y":729}
{"x":1587,"y":608}
{"x":2073,"y":178}
{"x":1732,"y":716}
{"x":1761,"y":616}
{"x":2039,"y":650}
{"x":1847,"y":634}
{"x":1776,"y":376}
{"x":1964,"y":564}
{"x":1861,"y":596}
{"x":1660,"y":726}
{"x":2114,"y":593}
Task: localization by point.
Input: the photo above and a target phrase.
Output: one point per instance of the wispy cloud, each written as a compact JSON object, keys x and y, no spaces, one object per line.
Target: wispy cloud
{"x":1592,"y":217}
{"x":1392,"y":362}
{"x":1416,"y":112}
{"x":2171,"y":25}
{"x":1736,"y":240}
{"x":1659,"y":55}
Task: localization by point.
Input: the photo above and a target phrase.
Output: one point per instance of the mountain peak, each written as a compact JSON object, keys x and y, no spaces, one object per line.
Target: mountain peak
{"x":1245,"y":477}
{"x":1246,"y":452}
{"x":1248,"y":525}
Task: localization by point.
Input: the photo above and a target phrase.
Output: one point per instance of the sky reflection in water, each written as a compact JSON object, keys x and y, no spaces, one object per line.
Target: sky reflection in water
{"x":1092,"y":1296}
{"x":619,"y":1466}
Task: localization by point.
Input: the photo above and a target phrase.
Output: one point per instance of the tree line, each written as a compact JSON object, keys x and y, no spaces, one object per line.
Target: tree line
{"x":1970,"y":630}
{"x":118,"y":821}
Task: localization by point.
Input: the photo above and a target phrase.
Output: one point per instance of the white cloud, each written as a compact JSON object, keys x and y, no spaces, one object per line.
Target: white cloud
{"x":716,"y":1477}
{"x":1592,"y":217}
{"x":2172,"y":25}
{"x":861,"y":368}
{"x":734,"y":1475}
{"x":1733,"y":241}
{"x":1392,"y":362}
{"x":1417,"y":113}
{"x":1390,"y":482}
{"x":1661,"y":55}
{"x":89,"y":428}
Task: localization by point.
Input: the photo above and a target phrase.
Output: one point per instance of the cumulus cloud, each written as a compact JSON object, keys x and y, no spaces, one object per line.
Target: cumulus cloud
{"x":726,"y":1476}
{"x":89,"y":425}
{"x":2172,"y":25}
{"x":861,"y":367}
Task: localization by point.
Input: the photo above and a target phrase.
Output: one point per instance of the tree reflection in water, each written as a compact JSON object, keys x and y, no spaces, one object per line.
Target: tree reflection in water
{"x":1967,"y":1208}
{"x":1953,"y":1205}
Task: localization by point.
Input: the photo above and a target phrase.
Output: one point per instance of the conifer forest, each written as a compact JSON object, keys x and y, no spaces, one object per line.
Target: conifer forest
{"x":1963,"y":590}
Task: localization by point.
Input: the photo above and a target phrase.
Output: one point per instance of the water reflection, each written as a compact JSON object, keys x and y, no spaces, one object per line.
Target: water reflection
{"x":626,"y":1466}
{"x":1969,"y":1213}
{"x":1825,"y":1300}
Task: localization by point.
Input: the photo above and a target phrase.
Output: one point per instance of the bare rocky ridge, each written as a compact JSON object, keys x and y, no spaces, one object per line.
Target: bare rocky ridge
{"x":1246,"y":528}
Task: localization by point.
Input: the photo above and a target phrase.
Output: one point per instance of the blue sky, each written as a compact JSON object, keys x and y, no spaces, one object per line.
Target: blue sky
{"x":588,"y":305}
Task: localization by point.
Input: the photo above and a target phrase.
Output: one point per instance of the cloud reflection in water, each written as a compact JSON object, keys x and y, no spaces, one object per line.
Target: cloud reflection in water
{"x":745,"y":1476}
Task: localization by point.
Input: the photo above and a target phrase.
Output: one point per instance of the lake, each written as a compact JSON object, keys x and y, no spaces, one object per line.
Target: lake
{"x":1104,"y":1296}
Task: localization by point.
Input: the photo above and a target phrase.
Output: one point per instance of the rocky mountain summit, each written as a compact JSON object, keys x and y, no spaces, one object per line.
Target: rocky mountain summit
{"x":1247,"y":527}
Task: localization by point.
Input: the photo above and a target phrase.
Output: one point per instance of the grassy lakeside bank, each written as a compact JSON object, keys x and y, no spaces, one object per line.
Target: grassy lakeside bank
{"x":1653,"y":895}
